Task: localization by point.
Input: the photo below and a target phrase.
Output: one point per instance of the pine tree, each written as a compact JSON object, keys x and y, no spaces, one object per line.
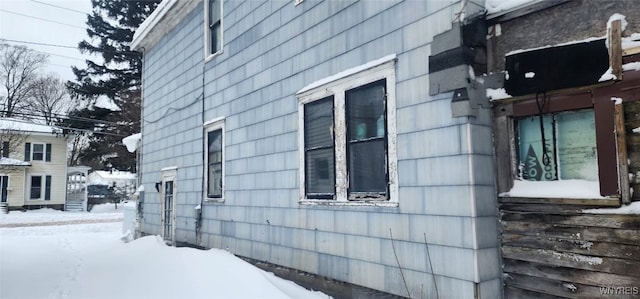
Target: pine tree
{"x":111,"y":26}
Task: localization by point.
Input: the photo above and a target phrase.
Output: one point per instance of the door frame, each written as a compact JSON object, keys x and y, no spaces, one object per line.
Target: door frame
{"x":168,"y":174}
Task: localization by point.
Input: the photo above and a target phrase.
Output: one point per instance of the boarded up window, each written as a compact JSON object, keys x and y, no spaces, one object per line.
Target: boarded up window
{"x":568,"y":150}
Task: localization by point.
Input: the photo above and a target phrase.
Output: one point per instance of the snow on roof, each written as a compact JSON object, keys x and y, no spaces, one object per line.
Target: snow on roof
{"x":497,"y":94}
{"x":12,"y":124}
{"x":348,"y":72}
{"x":131,"y":142}
{"x":586,"y":40}
{"x":555,"y":189}
{"x":633,"y":208}
{"x":151,"y":21}
{"x":499,"y":6}
{"x":13,"y":162}
{"x":106,"y":103}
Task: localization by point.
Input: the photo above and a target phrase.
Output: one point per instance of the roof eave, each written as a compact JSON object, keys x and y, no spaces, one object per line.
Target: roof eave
{"x":163,"y":19}
{"x":151,"y":22}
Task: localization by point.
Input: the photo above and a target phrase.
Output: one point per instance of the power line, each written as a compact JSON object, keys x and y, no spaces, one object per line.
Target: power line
{"x":41,"y":19}
{"x":36,"y":43}
{"x":60,"y":7}
{"x":49,"y":53}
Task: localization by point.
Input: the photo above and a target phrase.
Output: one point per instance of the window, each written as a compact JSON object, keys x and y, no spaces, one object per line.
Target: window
{"x":4,"y":187}
{"x":214,"y":159}
{"x":37,"y":152}
{"x":213,"y":27}
{"x":561,"y":147}
{"x":38,"y":185}
{"x":366,"y":142}
{"x":5,"y":149}
{"x":553,"y":146}
{"x":319,"y":149}
{"x":347,"y":137}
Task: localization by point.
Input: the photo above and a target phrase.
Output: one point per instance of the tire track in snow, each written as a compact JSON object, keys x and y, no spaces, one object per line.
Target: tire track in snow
{"x":52,"y":223}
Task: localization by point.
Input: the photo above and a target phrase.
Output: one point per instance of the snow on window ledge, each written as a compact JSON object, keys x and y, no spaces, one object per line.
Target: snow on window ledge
{"x":582,"y":189}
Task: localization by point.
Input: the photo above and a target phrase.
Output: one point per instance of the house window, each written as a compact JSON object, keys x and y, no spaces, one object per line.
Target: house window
{"x":348,"y":136}
{"x":366,"y":142}
{"x":39,"y":186}
{"x":37,"y":152}
{"x":319,"y":149}
{"x":214,"y":159}
{"x":5,"y":149}
{"x":213,"y":30}
{"x":567,"y":151}
{"x":4,"y":188}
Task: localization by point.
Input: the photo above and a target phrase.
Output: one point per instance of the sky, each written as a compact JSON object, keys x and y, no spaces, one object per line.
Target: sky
{"x":58,"y":22}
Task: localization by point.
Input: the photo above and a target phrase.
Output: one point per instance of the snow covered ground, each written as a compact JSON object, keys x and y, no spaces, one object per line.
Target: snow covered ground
{"x":43,"y":256}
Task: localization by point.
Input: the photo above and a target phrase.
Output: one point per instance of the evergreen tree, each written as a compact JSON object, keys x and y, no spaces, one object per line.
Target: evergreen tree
{"x":111,"y":26}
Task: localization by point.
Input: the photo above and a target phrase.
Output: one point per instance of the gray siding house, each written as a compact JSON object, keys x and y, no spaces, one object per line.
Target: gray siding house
{"x":318,"y":136}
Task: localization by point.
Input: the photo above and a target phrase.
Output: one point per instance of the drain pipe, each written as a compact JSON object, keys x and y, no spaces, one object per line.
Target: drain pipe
{"x":198,"y":209}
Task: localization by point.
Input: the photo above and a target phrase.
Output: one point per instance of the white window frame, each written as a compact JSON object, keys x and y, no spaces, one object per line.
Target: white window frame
{"x":43,"y":178}
{"x":213,"y":125}
{"x":8,"y":185}
{"x":8,"y":175}
{"x":337,"y":87}
{"x":44,"y":151}
{"x":208,"y":56}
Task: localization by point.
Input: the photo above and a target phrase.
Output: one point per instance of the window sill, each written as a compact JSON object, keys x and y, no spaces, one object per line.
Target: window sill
{"x":214,"y":200}
{"x":359,"y":203}
{"x":212,"y":56}
{"x":609,"y":202}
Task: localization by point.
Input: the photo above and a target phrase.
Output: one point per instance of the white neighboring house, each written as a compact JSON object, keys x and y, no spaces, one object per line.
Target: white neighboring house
{"x":123,"y":180}
{"x":33,"y":165}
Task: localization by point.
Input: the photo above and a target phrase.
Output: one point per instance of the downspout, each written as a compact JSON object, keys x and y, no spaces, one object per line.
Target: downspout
{"x":141,"y":194}
{"x":198,"y":209}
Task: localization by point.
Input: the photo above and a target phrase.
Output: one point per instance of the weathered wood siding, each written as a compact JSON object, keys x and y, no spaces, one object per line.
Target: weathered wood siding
{"x":632,"y":121}
{"x":567,"y":253}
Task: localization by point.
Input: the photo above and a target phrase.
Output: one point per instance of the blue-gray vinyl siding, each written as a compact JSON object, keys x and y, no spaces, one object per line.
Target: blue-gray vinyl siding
{"x":271,"y":50}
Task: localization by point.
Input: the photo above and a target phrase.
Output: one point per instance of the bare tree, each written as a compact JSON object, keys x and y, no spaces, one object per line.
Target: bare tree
{"x":18,"y":70}
{"x":11,"y":142}
{"x":49,"y":98}
{"x":78,"y":142}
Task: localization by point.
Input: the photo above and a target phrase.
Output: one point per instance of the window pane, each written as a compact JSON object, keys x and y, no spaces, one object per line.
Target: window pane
{"x":320,"y":173}
{"x":36,"y":187}
{"x":365,"y":112}
{"x":532,"y":161}
{"x":38,"y":152}
{"x":318,"y":123}
{"x":214,"y":167}
{"x":215,"y":28}
{"x":215,"y":39}
{"x":577,"y":145}
{"x":367,"y":167}
{"x":4,"y":184}
{"x":214,"y":12}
